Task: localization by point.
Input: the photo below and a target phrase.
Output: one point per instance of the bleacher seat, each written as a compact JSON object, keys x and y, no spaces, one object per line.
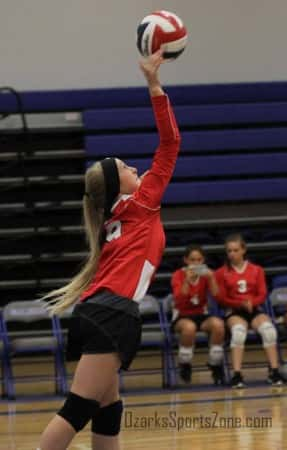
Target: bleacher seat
{"x":49,"y":340}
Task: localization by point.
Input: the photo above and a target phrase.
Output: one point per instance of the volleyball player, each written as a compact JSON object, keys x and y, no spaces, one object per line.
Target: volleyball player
{"x":242,"y":292}
{"x":190,"y":294}
{"x":124,"y":230}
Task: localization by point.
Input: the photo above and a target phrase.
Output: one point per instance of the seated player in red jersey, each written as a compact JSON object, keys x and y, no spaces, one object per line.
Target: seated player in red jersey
{"x":242,"y":292}
{"x":190,"y":286}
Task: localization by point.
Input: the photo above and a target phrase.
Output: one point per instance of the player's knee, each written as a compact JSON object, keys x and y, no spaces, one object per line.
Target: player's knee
{"x":108,"y":420}
{"x":185,"y":354}
{"x":215,"y":355}
{"x":238,"y":335}
{"x":188,"y":328}
{"x":217,"y":324}
{"x":268,"y":333}
{"x":78,"y":411}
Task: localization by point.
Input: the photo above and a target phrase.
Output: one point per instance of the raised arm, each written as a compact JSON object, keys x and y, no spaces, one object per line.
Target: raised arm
{"x":155,"y":181}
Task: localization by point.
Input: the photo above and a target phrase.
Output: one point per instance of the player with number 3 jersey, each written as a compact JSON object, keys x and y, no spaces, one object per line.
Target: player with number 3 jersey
{"x":242,"y":293}
{"x":238,"y":286}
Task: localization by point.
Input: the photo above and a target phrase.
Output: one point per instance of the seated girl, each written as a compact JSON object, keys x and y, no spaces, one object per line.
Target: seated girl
{"x":242,"y":293}
{"x":190,"y":287}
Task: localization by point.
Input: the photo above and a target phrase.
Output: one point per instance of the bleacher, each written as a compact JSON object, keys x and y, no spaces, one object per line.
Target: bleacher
{"x":231,"y":176}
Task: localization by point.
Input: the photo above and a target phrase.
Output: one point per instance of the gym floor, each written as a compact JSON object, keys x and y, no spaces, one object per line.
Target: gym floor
{"x":198,"y":416}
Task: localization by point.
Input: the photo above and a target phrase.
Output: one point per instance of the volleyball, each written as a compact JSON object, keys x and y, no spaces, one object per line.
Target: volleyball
{"x":161,"y":29}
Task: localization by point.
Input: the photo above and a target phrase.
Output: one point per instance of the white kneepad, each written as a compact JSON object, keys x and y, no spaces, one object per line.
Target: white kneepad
{"x":215,"y":355}
{"x":185,"y":354}
{"x":268,"y":333}
{"x":238,"y":335}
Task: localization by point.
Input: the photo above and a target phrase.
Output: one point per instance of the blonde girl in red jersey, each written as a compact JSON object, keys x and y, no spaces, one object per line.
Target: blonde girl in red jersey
{"x":124,"y":230}
{"x":242,"y":292}
{"x":190,"y":294}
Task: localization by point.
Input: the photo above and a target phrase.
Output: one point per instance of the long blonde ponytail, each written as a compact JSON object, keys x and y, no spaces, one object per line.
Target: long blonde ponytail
{"x":93,"y":212}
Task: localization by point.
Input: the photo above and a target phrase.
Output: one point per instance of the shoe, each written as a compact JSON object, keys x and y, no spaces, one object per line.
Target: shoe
{"x":274,"y":378}
{"x":185,"y":371}
{"x":237,"y":381}
{"x":218,"y":375}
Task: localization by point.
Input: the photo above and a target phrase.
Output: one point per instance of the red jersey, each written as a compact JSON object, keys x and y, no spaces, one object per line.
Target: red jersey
{"x":193,"y":303}
{"x":135,"y":238}
{"x":236,"y":286}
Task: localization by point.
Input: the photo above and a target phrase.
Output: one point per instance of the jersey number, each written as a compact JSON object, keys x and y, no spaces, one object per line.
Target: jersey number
{"x":242,"y":286}
{"x":114,"y":230}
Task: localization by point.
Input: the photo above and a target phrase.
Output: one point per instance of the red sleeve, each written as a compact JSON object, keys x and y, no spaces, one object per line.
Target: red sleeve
{"x":261,"y":294}
{"x":156,"y":180}
{"x":176,"y":284}
{"x":222,"y":297}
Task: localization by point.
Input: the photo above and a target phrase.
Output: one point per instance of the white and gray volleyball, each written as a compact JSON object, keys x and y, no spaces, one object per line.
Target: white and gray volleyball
{"x":161,"y":29}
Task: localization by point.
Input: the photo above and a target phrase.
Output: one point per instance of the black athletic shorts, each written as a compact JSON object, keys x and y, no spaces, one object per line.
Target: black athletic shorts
{"x":198,"y":319}
{"x":106,"y":323}
{"x":245,"y":314}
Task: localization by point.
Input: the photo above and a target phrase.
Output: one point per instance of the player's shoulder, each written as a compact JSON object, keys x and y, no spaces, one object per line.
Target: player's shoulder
{"x":178,"y":274}
{"x":225,"y":273}
{"x":254,"y":267}
{"x":132,"y":206}
{"x":125,"y":209}
{"x":142,"y":202}
{"x":121,"y":204}
{"x":221,"y":270}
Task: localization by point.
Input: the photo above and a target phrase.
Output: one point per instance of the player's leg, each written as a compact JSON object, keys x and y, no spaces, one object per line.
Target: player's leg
{"x":106,"y":424}
{"x":93,"y":376}
{"x":187,"y":332}
{"x":238,"y":328}
{"x":214,"y":326}
{"x":263,"y":325}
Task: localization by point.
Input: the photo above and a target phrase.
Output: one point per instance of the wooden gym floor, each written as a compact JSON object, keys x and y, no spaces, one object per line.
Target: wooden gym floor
{"x":197,"y":417}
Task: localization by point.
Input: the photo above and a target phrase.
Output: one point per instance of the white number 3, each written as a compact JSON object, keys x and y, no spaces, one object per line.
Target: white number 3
{"x":242,"y":286}
{"x":114,"y":231}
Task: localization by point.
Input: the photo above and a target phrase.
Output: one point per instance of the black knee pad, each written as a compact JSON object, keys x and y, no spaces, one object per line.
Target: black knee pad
{"x":77,"y":411}
{"x":108,"y":419}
